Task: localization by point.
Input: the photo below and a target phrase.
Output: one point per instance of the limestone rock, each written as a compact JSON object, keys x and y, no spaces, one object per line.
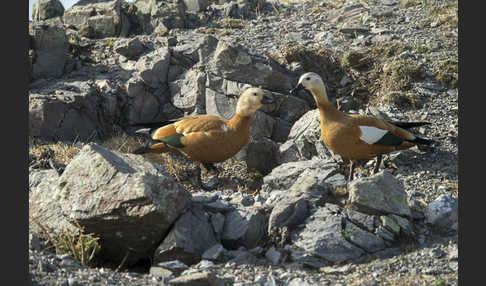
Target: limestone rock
{"x":443,"y":213}
{"x":379,"y":194}
{"x":46,"y":9}
{"x":243,"y":227}
{"x":127,"y":201}
{"x":323,"y":237}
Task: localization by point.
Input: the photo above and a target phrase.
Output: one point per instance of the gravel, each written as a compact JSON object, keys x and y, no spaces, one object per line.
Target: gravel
{"x":425,"y":174}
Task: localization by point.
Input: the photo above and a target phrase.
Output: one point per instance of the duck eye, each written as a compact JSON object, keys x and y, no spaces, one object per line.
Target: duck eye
{"x":307,"y":78}
{"x":254,"y":94}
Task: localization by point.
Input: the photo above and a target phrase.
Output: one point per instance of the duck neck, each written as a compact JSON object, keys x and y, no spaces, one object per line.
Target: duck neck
{"x":326,"y":108}
{"x":240,"y":122}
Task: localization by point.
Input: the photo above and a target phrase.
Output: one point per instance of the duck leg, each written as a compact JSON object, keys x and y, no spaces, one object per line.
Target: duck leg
{"x":351,"y":171}
{"x":377,"y":165}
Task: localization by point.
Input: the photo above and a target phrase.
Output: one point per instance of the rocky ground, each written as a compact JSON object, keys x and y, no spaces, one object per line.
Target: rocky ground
{"x":396,"y":59}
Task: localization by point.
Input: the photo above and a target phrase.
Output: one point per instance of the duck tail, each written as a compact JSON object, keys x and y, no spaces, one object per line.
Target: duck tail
{"x":422,"y":141}
{"x":408,"y":125}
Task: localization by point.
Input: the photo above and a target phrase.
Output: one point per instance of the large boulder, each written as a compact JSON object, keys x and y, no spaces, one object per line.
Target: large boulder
{"x":124,"y":199}
{"x":379,"y":194}
{"x":102,"y":18}
{"x":45,"y":213}
{"x":50,"y":45}
{"x":46,"y":9}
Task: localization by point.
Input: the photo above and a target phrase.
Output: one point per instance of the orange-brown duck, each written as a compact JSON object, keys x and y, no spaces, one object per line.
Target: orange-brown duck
{"x":207,"y":139}
{"x":357,"y":136}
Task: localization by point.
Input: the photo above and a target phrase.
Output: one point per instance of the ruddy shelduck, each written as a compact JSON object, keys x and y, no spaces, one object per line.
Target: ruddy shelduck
{"x":207,"y":139}
{"x":357,"y":136}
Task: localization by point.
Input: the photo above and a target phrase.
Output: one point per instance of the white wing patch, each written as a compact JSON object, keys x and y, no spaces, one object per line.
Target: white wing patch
{"x":371,"y":135}
{"x":224,"y":127}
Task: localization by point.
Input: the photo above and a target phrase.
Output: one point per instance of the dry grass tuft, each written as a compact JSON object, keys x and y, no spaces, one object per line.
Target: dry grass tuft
{"x":448,"y":72}
{"x":231,"y":23}
{"x":399,"y":75}
{"x":60,"y":152}
{"x":122,"y":143}
{"x":83,"y":247}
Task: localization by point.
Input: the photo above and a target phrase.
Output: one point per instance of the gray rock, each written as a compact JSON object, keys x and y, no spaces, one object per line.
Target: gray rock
{"x":364,"y":221}
{"x":247,"y":201}
{"x":175,"y":266}
{"x":289,"y":107}
{"x":384,"y":233}
{"x":50,"y":44}
{"x":217,"y":221}
{"x":44,"y":209}
{"x":188,"y":92}
{"x":257,"y":149}
{"x":104,"y":19}
{"x":218,"y":206}
{"x":323,"y":237}
{"x":235,"y":64}
{"x":304,"y":140}
{"x":222,"y":96}
{"x":127,"y":201}
{"x":270,"y":280}
{"x":160,"y":272}
{"x":153,"y":67}
{"x":196,"y":5}
{"x":379,"y":194}
{"x":273,"y":255}
{"x":205,"y":278}
{"x":406,"y":226}
{"x":58,"y":116}
{"x":243,"y":227}
{"x":34,"y":242}
{"x":150,"y":13}
{"x":142,"y":105}
{"x":130,"y":48}
{"x":390,"y":224}
{"x":364,"y":239}
{"x":298,"y":282}
{"x":189,"y":238}
{"x":213,"y":253}
{"x":443,"y":213}
{"x":46,"y":9}
{"x":285,"y":175}
{"x":288,"y":212}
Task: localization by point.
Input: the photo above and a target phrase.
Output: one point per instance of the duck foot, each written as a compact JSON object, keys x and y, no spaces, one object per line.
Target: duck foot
{"x":377,"y":165}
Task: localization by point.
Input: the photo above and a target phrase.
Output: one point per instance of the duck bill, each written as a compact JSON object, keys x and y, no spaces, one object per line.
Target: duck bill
{"x":267,"y":99}
{"x":294,"y":90}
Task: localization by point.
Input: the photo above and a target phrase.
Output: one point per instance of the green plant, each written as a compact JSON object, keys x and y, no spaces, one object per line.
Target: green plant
{"x":346,"y":234}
